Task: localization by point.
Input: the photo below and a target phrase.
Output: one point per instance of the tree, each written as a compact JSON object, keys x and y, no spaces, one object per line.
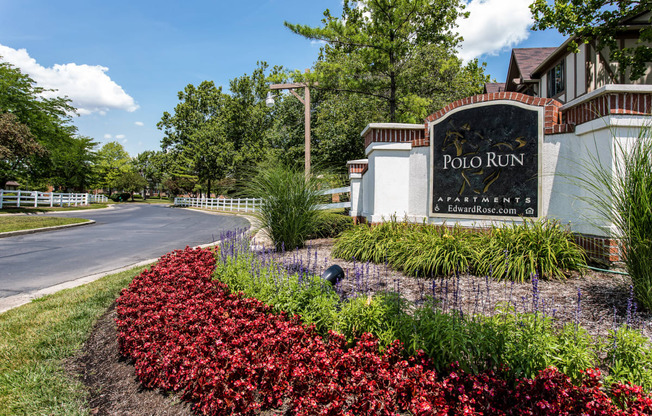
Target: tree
{"x":112,"y":161}
{"x":48,"y":120}
{"x":600,"y":21}
{"x":374,"y":48}
{"x":213,"y":135}
{"x":150,"y":165}
{"x":194,"y":134}
{"x":129,"y":180}
{"x":73,"y":165}
{"x":339,"y":120}
{"x":17,"y":144}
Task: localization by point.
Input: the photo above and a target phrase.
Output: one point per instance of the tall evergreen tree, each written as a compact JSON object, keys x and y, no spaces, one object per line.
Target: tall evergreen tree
{"x":391,"y":50}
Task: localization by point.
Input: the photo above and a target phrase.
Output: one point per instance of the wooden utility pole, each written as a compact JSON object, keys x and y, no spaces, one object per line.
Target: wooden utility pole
{"x":306,"y":104}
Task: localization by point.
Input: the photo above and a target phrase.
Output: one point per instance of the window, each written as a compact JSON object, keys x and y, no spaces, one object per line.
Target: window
{"x":556,"y":81}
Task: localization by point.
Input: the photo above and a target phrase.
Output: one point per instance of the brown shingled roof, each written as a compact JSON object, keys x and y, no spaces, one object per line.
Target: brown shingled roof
{"x":493,"y":87}
{"x":528,"y":59}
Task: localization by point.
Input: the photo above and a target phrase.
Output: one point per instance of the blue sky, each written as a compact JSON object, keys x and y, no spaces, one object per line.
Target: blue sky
{"x":123,"y":61}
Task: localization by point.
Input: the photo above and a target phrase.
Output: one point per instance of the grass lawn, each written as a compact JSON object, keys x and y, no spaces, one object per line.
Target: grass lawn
{"x":21,"y":222}
{"x":37,"y":337}
{"x":31,"y":210}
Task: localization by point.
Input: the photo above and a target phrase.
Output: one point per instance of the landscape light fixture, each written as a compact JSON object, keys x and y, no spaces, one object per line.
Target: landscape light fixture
{"x":269,"y":101}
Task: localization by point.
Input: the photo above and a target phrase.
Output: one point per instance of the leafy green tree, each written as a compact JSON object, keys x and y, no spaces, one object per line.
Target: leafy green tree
{"x":73,"y":165}
{"x":129,"y":180}
{"x":195,"y":135}
{"x":17,"y":144}
{"x":599,"y":21}
{"x":112,"y":161}
{"x":339,"y":120}
{"x":150,"y":164}
{"x":213,"y":135}
{"x":48,"y":120}
{"x":377,"y":49}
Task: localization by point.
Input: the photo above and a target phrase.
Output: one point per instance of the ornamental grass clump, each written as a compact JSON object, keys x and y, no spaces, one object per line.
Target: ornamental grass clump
{"x":519,"y":251}
{"x":623,"y":195}
{"x":514,"y":252}
{"x":371,"y":243}
{"x":289,"y":209}
{"x":435,"y":251}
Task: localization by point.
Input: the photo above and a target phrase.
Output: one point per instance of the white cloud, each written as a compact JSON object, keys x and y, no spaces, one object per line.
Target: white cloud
{"x":493,"y":26}
{"x":119,"y":136}
{"x":108,"y":136}
{"x":88,"y":86}
{"x":139,"y":123}
{"x":124,"y":141}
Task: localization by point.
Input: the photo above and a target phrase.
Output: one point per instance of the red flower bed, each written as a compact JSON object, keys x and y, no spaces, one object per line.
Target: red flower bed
{"x":231,"y":355}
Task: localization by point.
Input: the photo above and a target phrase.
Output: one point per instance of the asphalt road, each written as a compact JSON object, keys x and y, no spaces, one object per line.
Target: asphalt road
{"x":122,"y":236}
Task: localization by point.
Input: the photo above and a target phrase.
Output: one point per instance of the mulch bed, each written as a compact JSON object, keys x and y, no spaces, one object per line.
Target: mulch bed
{"x":110,"y":380}
{"x":114,"y":390}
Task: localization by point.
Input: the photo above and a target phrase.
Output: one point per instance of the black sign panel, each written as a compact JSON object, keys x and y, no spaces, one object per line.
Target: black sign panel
{"x":486,"y":162}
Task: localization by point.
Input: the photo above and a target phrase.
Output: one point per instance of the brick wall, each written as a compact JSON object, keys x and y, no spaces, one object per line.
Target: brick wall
{"x":393,"y":135}
{"x":552,"y":111}
{"x":602,"y":249}
{"x":358,"y":168}
{"x":609,"y":104}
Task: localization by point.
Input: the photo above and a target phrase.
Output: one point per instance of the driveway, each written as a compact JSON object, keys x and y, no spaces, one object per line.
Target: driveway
{"x":123,"y":235}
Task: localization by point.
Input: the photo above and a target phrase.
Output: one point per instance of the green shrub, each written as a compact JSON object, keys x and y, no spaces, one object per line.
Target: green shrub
{"x":381,"y":315}
{"x":629,"y":357}
{"x":441,"y":251}
{"x":308,"y":296}
{"x":444,"y":337}
{"x":288,"y":211}
{"x":120,"y":196}
{"x":331,"y":224}
{"x":513,"y":252}
{"x":532,"y":344}
{"x":370,"y":243}
{"x":517,"y":252}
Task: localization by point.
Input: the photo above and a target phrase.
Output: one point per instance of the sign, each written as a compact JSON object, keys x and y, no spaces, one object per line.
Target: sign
{"x":485,"y":161}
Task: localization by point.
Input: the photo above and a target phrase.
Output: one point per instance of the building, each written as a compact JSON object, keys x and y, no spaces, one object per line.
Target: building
{"x":508,"y":154}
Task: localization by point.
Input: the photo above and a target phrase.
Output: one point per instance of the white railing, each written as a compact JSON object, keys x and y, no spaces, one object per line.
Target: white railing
{"x":343,"y":190}
{"x":250,"y":204}
{"x":100,"y":198}
{"x":220,"y":204}
{"x":51,"y":199}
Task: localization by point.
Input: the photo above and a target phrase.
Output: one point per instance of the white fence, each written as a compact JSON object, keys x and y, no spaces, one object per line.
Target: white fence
{"x":51,"y":199}
{"x":344,"y":190}
{"x":250,"y":204}
{"x":93,"y":199}
{"x":220,"y":204}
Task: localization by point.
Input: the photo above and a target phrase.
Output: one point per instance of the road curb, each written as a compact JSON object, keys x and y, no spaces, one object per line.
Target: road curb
{"x":43,"y":229}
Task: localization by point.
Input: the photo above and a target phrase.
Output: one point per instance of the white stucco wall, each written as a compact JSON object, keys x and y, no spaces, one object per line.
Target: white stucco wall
{"x":566,"y":160}
{"x":368,"y":180}
{"x":419,"y":189}
{"x":357,"y":202}
{"x":389,"y":163}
